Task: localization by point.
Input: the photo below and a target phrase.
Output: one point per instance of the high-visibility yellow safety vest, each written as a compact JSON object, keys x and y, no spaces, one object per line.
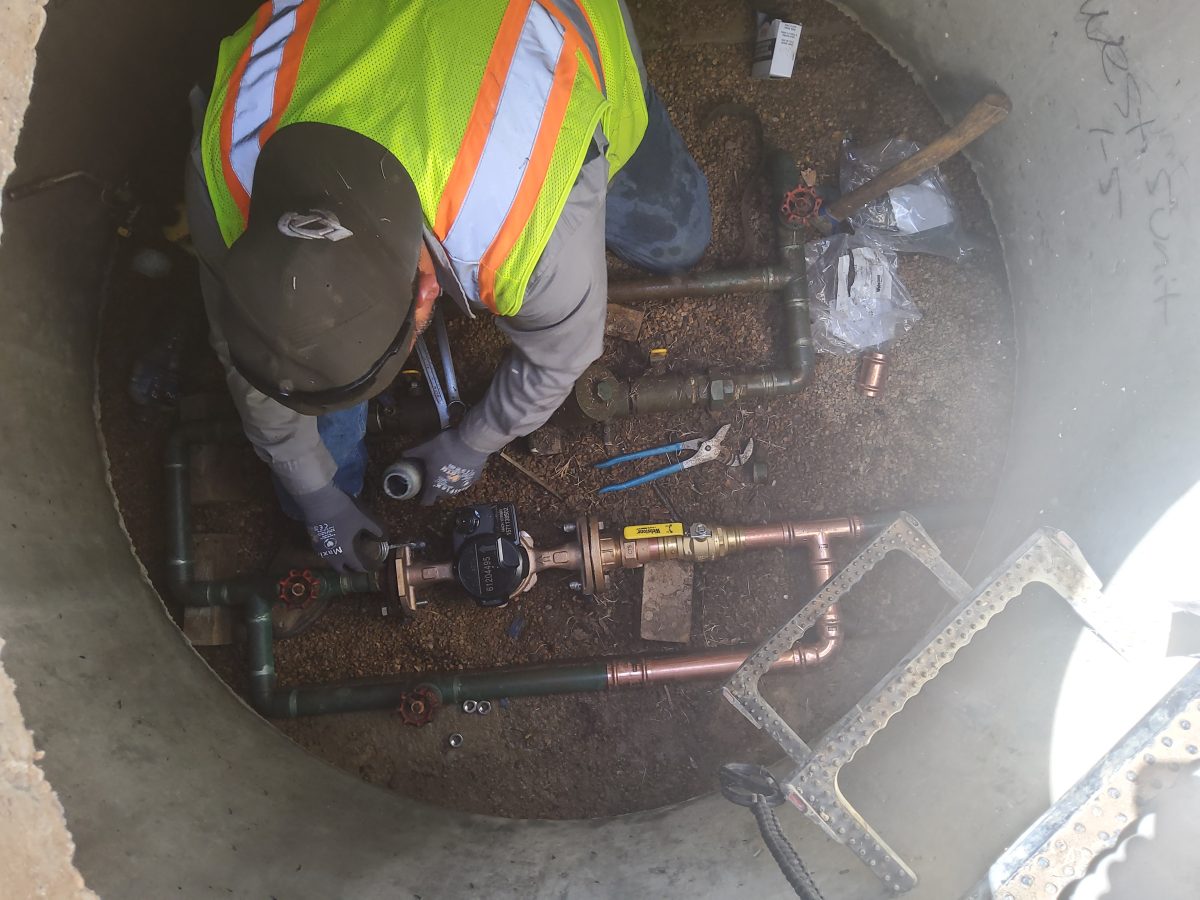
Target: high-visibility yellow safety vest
{"x":490,"y":106}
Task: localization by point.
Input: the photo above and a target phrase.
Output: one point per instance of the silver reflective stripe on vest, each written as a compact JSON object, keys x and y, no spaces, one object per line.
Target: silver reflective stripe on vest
{"x":579,"y":19}
{"x":509,"y":145}
{"x":256,"y":93}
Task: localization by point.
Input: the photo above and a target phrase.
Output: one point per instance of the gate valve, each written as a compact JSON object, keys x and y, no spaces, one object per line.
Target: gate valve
{"x":417,"y":706}
{"x":298,"y":588}
{"x":801,"y":206}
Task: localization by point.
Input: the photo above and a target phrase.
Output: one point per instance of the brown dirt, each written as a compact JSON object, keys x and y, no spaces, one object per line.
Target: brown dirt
{"x":936,"y":435}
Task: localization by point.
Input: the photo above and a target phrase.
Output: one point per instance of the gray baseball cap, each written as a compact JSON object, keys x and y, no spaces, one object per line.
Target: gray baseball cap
{"x":318,"y":304}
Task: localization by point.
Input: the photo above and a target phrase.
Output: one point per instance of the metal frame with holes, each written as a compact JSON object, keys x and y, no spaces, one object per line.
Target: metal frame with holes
{"x":1087,"y":820}
{"x":1049,"y":557}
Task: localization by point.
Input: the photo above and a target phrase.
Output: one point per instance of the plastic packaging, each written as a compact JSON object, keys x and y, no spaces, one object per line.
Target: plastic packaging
{"x":917,"y":217}
{"x":855,"y":294}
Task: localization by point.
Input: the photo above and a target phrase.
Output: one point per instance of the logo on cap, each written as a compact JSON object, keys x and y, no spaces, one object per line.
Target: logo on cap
{"x":313,"y":225}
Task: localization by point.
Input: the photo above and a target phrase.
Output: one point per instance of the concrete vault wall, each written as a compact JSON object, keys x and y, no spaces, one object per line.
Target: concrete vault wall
{"x":171,"y":787}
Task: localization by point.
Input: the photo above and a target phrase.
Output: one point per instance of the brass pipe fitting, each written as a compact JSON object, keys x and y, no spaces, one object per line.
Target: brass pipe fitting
{"x":724,"y":540}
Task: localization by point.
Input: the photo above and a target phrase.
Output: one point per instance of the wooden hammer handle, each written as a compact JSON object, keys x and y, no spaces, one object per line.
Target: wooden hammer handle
{"x":991,"y":110}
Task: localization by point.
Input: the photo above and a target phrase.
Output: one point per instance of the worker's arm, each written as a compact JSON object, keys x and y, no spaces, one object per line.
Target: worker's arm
{"x":557,"y":334}
{"x":559,"y":330}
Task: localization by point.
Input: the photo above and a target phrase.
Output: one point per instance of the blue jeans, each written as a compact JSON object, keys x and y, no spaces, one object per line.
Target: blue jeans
{"x":342,"y":434}
{"x":658,"y":216}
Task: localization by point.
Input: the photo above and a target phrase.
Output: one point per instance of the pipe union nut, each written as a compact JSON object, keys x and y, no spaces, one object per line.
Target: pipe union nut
{"x":720,"y":392}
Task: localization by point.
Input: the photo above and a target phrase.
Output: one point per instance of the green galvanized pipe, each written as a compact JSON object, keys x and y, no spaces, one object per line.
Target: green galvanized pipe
{"x":178,"y":490}
{"x":237,"y":591}
{"x":261,"y":654}
{"x":587,"y":676}
{"x":180,"y":566}
{"x":763,"y":280}
{"x":800,"y":351}
{"x":609,"y":398}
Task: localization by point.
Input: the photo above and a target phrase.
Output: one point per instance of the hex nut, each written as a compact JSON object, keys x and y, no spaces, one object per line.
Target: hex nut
{"x":483,"y":707}
{"x":469,"y":706}
{"x":454,"y":741}
{"x":719,"y":391}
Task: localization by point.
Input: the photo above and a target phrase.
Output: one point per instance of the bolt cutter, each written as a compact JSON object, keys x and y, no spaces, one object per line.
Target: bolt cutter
{"x":704,"y":450}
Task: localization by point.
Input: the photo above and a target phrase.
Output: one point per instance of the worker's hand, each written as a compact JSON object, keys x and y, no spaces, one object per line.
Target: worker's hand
{"x":451,"y":465}
{"x":334,"y":520}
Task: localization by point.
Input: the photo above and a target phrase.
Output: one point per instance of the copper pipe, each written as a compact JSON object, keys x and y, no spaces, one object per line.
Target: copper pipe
{"x":829,"y":630}
{"x":820,"y":558}
{"x":635,"y":671}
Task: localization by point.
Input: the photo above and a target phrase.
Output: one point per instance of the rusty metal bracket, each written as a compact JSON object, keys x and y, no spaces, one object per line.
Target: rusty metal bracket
{"x":1048,"y":556}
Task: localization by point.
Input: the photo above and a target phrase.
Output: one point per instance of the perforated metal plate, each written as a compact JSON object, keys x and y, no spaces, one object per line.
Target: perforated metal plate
{"x":1087,"y":820}
{"x":1048,"y":556}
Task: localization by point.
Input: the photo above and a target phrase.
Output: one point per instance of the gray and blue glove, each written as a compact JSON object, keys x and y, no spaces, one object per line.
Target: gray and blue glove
{"x":333,"y":521}
{"x":450,"y":464}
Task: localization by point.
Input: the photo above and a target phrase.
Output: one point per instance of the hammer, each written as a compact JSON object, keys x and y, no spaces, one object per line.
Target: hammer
{"x":991,"y":110}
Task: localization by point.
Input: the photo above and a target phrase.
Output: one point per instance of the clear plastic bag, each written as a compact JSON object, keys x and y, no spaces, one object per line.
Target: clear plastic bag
{"x":856,"y":297}
{"x":917,"y":217}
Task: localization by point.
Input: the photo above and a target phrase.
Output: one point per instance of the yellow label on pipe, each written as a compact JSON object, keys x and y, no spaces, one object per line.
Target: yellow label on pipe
{"x":666,"y":529}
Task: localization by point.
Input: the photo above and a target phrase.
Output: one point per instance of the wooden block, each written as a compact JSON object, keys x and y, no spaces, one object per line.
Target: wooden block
{"x":218,"y":473}
{"x":623,"y":322}
{"x":208,"y":626}
{"x":546,"y":441}
{"x":667,"y":601}
{"x":215,"y":558}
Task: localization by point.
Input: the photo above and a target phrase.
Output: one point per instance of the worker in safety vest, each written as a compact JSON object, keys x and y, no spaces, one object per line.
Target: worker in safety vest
{"x":355,"y":160}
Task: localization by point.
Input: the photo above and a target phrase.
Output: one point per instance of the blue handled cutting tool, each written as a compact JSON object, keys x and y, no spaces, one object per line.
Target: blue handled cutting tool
{"x":705,"y":450}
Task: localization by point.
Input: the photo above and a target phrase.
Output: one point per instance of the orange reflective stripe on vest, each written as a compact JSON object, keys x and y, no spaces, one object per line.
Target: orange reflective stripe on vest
{"x":261,"y":89}
{"x":494,"y":153}
{"x":501,"y":165}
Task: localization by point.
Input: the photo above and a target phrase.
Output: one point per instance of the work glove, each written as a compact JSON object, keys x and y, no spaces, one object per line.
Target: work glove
{"x":450,"y":464}
{"x":333,"y":521}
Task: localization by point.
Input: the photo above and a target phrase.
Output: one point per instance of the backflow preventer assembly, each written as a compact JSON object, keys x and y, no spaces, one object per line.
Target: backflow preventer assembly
{"x":494,"y":561}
